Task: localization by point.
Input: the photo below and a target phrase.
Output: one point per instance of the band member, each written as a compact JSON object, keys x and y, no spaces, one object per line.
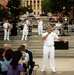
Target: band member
{"x":48,"y":48}
{"x":58,"y":27}
{"x":6,"y":27}
{"x":40,"y":26}
{"x":25,"y":31}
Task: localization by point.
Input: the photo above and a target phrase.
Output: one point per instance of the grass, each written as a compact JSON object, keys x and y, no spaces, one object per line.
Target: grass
{"x":35,"y":26}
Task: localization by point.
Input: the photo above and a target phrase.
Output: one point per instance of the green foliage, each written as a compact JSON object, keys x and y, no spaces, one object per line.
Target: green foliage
{"x":45,"y":6}
{"x":29,"y":8}
{"x":23,"y":9}
{"x":35,"y":26}
{"x":3,"y":13}
{"x":14,"y":7}
{"x":55,"y":6}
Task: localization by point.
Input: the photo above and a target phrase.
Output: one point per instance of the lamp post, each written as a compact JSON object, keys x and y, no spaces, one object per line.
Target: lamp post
{"x":72,"y":9}
{"x":63,"y":8}
{"x":73,"y":12}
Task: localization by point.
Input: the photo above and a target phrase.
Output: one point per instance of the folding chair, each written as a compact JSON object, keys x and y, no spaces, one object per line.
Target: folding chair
{"x":36,"y":66}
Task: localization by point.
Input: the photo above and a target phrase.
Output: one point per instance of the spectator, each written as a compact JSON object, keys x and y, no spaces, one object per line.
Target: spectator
{"x":25,"y":55}
{"x":15,"y":67}
{"x":31,"y":62}
{"x":1,"y":54}
{"x":6,"y":46}
{"x":25,"y":58}
{"x":59,"y":18}
{"x":1,"y":58}
{"x":6,"y":62}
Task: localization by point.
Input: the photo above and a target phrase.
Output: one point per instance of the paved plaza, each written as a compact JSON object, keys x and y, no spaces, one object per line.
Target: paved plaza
{"x":64,"y":66}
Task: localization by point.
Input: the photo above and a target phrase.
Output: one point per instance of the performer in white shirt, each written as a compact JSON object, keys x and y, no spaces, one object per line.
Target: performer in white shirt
{"x":6,"y":27}
{"x":40,"y":26}
{"x":28,"y":21}
{"x":58,"y":27}
{"x":48,"y":48}
{"x":25,"y":31}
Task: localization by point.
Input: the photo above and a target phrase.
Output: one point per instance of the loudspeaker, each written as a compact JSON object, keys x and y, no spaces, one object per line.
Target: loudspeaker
{"x":61,"y":45}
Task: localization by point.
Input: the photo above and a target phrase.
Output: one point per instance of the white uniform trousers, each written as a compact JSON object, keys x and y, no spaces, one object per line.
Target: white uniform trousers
{"x":46,"y":52}
{"x":6,"y":34}
{"x":40,"y":30}
{"x":24,"y":34}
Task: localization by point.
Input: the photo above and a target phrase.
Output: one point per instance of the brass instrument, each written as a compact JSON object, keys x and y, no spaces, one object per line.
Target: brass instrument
{"x":8,"y":27}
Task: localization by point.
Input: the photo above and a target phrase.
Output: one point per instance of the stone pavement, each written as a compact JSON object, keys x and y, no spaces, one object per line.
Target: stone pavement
{"x":64,"y":66}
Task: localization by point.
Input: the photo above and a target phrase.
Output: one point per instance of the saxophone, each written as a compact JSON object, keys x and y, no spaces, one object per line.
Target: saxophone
{"x":8,"y":27}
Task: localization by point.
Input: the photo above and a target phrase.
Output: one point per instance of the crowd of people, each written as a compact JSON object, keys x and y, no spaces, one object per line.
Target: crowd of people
{"x":18,"y":62}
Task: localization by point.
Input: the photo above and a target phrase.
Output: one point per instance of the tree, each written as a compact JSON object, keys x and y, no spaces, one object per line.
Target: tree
{"x":45,"y":6}
{"x":29,"y":9}
{"x":23,"y":9}
{"x":14,"y":7}
{"x":3,"y":13}
{"x":55,"y":6}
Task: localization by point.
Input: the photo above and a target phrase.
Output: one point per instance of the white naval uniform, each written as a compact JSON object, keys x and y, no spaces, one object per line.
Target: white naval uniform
{"x":40,"y":27}
{"x":48,"y":49}
{"x":25,"y":32}
{"x":58,"y":25}
{"x":58,"y":28}
{"x":6,"y":32}
{"x":28,"y":22}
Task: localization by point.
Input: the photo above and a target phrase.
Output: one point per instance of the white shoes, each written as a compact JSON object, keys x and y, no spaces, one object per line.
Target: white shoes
{"x":42,"y":70}
{"x":54,"y":71}
{"x":8,"y":39}
{"x":21,"y":39}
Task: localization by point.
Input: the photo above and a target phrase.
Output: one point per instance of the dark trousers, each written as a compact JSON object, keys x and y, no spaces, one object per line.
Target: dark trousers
{"x":30,"y":71}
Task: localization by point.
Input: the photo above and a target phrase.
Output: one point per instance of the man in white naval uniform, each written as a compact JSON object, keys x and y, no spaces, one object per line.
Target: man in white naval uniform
{"x":48,"y":47}
{"x":6,"y":27}
{"x":25,"y":31}
{"x":28,"y":21}
{"x":40,"y":26}
{"x":58,"y":27}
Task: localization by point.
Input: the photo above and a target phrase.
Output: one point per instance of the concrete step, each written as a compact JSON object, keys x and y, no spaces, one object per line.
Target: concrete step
{"x":35,"y":44}
{"x":32,"y":43}
{"x":1,"y":32}
{"x":58,"y":53}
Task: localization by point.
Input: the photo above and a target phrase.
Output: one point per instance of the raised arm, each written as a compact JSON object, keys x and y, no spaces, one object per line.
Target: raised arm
{"x":44,"y":37}
{"x":60,"y":39}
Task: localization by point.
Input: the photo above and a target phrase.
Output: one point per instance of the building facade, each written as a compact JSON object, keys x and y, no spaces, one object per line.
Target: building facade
{"x":36,"y":5}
